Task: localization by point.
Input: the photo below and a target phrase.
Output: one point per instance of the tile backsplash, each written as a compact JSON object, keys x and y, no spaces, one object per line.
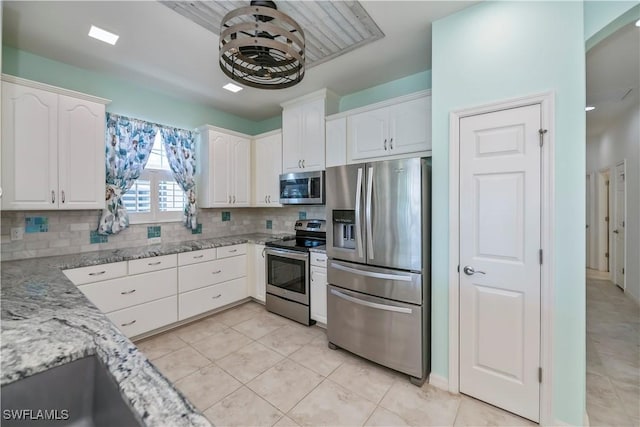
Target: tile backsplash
{"x":72,"y":232}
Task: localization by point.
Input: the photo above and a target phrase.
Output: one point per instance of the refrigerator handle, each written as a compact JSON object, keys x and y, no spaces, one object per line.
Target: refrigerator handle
{"x":371,"y":304}
{"x":368,"y":213}
{"x":358,"y":205}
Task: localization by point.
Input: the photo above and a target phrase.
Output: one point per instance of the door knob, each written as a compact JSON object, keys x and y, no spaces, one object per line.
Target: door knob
{"x":470,"y":271}
{"x":615,"y":231}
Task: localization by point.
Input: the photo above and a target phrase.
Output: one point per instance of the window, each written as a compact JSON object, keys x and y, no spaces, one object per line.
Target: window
{"x":155,"y":196}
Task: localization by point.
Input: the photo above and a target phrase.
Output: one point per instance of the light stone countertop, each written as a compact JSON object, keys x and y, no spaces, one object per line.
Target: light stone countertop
{"x":47,"y":322}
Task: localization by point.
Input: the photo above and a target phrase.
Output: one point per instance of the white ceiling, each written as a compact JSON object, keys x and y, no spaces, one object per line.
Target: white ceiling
{"x":613,"y":71}
{"x":162,"y":50}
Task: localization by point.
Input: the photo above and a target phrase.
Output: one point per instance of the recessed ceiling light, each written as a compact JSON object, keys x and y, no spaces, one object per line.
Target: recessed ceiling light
{"x":589,"y":108}
{"x":103,"y":35}
{"x":232,"y":88}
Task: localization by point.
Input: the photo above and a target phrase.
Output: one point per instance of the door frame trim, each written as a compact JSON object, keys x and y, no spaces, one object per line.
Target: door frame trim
{"x":622,"y":163}
{"x":546,"y":100}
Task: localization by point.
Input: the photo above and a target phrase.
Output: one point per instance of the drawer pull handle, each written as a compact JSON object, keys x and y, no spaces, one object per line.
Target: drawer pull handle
{"x":97,"y":273}
{"x":217,"y":296}
{"x":129,"y":323}
{"x":127,"y":292}
{"x":233,"y":250}
{"x":319,"y":260}
{"x":155,"y":263}
{"x":199,"y":256}
{"x":216,"y":272}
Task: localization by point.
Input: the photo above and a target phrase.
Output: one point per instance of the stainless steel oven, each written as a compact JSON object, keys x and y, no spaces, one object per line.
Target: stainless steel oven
{"x":287,"y":274}
{"x":302,"y":188}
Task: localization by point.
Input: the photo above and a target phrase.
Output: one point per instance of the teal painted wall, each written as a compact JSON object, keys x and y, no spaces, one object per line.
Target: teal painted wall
{"x":127,"y":98}
{"x":495,"y":51}
{"x":403,"y":86}
{"x":597,"y":14}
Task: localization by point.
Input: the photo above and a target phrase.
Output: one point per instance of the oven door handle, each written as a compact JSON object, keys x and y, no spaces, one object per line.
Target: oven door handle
{"x":371,"y":304}
{"x":303,"y":256}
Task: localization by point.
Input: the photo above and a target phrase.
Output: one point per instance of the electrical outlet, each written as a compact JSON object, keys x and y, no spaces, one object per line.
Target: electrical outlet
{"x":17,"y":233}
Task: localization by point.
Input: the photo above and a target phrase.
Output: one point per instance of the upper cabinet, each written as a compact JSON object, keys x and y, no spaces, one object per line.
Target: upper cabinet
{"x":267,"y":161}
{"x":303,"y":131}
{"x":52,"y":147}
{"x":336,"y":146}
{"x":223,"y":170}
{"x":390,"y":130}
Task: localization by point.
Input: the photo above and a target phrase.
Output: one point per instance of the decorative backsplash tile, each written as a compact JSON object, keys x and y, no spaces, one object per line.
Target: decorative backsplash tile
{"x":226,"y":216}
{"x":36,"y":224}
{"x":269,"y":224}
{"x":198,"y":229}
{"x":302,"y":215}
{"x":94,"y":237}
{"x":154,"y":231}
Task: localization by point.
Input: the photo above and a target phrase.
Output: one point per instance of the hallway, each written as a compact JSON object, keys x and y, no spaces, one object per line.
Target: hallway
{"x":613,"y":355}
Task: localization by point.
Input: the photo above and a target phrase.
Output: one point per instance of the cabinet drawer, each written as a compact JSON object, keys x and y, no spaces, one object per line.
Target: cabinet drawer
{"x":318,"y":259}
{"x":117,"y":294}
{"x":194,"y":257}
{"x":146,"y":317}
{"x":146,"y":265}
{"x":203,"y":274}
{"x":205,"y":299}
{"x":227,"y":251}
{"x":96,"y":273}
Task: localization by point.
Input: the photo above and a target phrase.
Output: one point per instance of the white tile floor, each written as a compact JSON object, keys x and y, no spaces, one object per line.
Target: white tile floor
{"x":613,"y":355}
{"x":248,"y":367}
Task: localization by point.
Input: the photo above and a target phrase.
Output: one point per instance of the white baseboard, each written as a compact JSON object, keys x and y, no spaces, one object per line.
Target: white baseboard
{"x":439,"y":382}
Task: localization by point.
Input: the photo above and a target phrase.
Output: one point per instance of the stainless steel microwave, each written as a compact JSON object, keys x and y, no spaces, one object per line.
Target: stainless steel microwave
{"x":302,"y":188}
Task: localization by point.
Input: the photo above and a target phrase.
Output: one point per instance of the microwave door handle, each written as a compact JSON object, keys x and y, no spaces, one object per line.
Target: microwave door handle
{"x":309,"y":188}
{"x":358,"y":213}
{"x":368,"y":213}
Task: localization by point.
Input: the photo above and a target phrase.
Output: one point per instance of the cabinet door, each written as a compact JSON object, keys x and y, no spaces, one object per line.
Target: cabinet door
{"x":240,"y":174}
{"x":319,"y":294}
{"x":260,"y":273}
{"x":410,"y":126}
{"x":368,"y":134}
{"x":268,"y":167}
{"x":261,"y":157}
{"x":29,"y":148}
{"x":219,"y":173}
{"x":312,"y":143}
{"x":336,"y":142}
{"x":291,"y":139}
{"x":81,"y":168}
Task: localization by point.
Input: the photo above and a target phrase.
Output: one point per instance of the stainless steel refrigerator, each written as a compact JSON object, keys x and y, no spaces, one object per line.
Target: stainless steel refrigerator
{"x":378,"y":244}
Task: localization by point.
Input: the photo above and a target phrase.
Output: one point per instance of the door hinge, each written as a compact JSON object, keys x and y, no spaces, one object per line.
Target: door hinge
{"x":539,"y":375}
{"x":541,"y":132}
{"x":540,"y":256}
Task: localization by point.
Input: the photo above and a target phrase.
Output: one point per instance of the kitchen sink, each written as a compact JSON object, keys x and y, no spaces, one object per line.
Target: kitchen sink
{"x":81,"y":393}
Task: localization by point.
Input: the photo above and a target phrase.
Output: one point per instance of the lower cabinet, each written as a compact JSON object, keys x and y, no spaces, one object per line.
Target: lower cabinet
{"x":318,"y":285}
{"x":257,"y":284}
{"x":211,"y":297}
{"x":146,"y":317}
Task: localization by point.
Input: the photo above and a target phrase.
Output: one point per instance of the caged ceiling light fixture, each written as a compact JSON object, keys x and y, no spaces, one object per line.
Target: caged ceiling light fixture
{"x":262,"y":47}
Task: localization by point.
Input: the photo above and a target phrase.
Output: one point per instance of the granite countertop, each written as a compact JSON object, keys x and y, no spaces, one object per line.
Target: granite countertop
{"x":47,"y":322}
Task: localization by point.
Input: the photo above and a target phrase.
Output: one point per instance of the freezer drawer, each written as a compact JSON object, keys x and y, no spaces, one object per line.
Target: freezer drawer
{"x":386,"y":332}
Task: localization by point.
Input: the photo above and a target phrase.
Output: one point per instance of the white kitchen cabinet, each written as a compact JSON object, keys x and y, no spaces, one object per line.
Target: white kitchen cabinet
{"x":336,"y":144}
{"x":208,"y":273}
{"x":52,"y":147}
{"x":267,"y":161}
{"x":303,"y":131}
{"x":139,"y":319}
{"x":390,"y":130}
{"x":257,"y":279}
{"x":223,"y":167}
{"x":209,"y":298}
{"x":318,"y":287}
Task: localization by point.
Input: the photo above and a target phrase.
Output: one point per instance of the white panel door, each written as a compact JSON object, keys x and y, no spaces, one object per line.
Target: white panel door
{"x":29,"y":148}
{"x":291,"y":139}
{"x":81,"y":154}
{"x":312,"y":144}
{"x":500,"y":240}
{"x":219,"y":173}
{"x":240,"y":175}
{"x":619,"y":230}
{"x":410,"y":126}
{"x":367,"y":134}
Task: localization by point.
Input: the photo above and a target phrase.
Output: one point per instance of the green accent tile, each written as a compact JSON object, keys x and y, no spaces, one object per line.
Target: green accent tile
{"x":94,"y":237}
{"x":198,"y":229}
{"x":302,"y":215}
{"x":154,"y":231}
{"x":226,"y":216}
{"x":36,"y":224}
{"x":269,"y":224}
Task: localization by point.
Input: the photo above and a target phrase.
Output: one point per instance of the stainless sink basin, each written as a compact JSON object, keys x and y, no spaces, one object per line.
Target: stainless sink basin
{"x":78,"y":394}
